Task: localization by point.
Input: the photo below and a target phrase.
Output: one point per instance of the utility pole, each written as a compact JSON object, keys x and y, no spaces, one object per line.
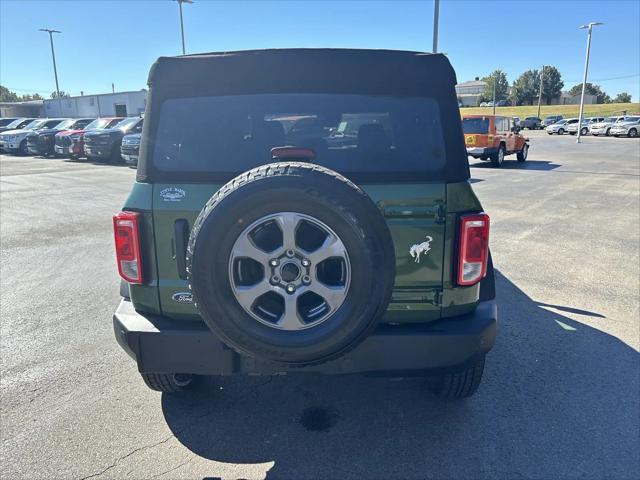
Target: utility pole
{"x":436,"y":14}
{"x":113,"y":88}
{"x":53,"y":56}
{"x":540,"y":94}
{"x":180,"y":2}
{"x":494,"y":94}
{"x":589,"y":27}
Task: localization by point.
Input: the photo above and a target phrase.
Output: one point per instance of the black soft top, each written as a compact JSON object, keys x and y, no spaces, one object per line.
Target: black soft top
{"x":307,"y":70}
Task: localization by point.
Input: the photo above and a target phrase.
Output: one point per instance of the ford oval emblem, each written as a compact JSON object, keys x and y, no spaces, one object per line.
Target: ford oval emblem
{"x":182,"y":297}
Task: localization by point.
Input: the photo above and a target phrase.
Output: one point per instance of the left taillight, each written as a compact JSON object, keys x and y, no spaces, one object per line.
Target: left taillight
{"x":473,"y":248}
{"x":126,"y":233}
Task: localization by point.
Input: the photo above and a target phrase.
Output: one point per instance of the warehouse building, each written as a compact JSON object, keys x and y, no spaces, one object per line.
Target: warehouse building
{"x":118,"y":104}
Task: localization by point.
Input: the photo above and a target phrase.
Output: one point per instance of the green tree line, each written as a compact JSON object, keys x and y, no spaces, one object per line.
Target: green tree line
{"x":526,"y":88}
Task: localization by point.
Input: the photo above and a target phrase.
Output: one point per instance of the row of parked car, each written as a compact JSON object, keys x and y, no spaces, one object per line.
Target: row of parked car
{"x":110,"y":139}
{"x":618,"y":126}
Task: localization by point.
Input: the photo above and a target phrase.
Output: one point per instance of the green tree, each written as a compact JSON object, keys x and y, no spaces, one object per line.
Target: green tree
{"x":622,"y":97}
{"x":502,"y":86}
{"x":526,"y":87}
{"x":63,"y":94}
{"x":27,"y":97}
{"x":591,"y":89}
{"x":552,"y":83}
{"x":7,"y":95}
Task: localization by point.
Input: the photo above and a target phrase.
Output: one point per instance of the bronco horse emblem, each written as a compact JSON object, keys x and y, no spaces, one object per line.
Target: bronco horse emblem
{"x":419,"y":248}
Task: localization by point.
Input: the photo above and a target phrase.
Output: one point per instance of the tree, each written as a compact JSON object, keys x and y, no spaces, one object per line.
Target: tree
{"x":35,"y":96}
{"x":622,"y":97}
{"x":526,"y":88}
{"x":502,"y":86}
{"x":591,"y":89}
{"x":63,"y":94}
{"x":7,"y":95}
{"x":551,"y":84}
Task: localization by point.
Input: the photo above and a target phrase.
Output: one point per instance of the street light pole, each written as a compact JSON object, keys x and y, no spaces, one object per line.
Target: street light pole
{"x":180,"y":2}
{"x":540,"y":94}
{"x":494,"y":93}
{"x":589,"y":27}
{"x":53,"y":56}
{"x":436,"y":14}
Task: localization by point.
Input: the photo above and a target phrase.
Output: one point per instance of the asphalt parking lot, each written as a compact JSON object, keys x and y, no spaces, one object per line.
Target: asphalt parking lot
{"x":560,"y":398}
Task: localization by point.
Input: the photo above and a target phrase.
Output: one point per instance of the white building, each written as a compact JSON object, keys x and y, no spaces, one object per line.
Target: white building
{"x":469,"y":92}
{"x":119,"y":104}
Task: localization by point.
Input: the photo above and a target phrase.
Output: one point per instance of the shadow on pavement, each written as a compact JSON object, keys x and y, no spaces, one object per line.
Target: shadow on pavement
{"x":515,"y":165}
{"x":559,"y":400}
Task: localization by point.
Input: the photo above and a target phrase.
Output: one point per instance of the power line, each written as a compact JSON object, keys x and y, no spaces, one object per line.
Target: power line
{"x":607,"y":79}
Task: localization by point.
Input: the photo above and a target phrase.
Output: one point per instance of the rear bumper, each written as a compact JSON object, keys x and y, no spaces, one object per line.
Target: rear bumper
{"x":161,"y":345}
{"x":477,"y":152}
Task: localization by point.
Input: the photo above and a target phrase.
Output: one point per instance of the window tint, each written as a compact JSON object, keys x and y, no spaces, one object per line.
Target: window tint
{"x":475,"y":125}
{"x":349,"y":133}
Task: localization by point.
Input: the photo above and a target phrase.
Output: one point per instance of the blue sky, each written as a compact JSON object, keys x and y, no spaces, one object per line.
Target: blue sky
{"x":116,"y":41}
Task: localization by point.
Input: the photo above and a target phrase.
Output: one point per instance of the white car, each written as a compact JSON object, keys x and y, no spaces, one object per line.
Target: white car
{"x":629,"y":127}
{"x":573,"y":128}
{"x":561,"y":126}
{"x":604,"y":127}
{"x":15,"y":141}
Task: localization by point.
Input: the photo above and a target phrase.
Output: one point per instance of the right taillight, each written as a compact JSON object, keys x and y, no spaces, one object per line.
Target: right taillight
{"x":473,"y":248}
{"x":125,"y":231}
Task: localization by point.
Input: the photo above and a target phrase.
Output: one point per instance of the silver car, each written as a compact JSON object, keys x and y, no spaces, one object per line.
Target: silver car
{"x":573,"y":128}
{"x":604,"y":127}
{"x":561,"y":126}
{"x":629,"y":127}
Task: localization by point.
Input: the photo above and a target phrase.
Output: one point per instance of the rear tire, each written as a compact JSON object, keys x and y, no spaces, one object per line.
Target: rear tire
{"x":23,"y":148}
{"x":498,"y":158}
{"x":459,"y":384}
{"x":561,"y":131}
{"x":522,"y":154}
{"x":584,"y":131}
{"x":608,"y":132}
{"x":632,"y":133}
{"x":168,"y":382}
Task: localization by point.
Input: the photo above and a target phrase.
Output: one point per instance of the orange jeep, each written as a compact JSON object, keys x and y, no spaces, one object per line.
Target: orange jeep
{"x":491,"y":137}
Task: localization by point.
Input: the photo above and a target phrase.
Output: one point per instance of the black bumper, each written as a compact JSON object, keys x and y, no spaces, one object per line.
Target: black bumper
{"x":161,"y":345}
{"x":98,"y":151}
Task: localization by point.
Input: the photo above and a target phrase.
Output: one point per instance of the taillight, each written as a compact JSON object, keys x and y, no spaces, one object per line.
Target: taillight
{"x":473,"y":248}
{"x":125,"y":230}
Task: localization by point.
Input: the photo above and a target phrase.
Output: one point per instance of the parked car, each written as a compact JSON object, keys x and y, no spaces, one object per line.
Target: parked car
{"x":42,"y":142}
{"x":532,"y":123}
{"x":4,"y":121}
{"x":561,"y":126}
{"x":70,"y":142}
{"x":503,"y":103}
{"x":551,"y":119}
{"x":15,"y":141}
{"x":292,"y":266}
{"x":16,"y":124}
{"x":584,"y":130}
{"x":629,"y":127}
{"x":105,"y":144}
{"x":489,"y":137}
{"x":604,"y":127}
{"x":129,"y":149}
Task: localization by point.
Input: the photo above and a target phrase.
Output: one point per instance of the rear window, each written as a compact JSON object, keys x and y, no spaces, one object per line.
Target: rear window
{"x":349,"y":133}
{"x":475,"y":125}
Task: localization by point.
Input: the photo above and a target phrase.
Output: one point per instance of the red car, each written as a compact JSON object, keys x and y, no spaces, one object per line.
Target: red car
{"x":69,"y":143}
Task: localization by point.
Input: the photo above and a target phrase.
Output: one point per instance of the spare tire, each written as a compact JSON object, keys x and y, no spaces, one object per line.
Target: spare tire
{"x":291,"y":263}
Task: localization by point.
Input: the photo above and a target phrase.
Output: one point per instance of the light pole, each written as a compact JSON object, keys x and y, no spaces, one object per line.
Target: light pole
{"x":494,"y":93}
{"x":180,"y":2}
{"x":436,"y":14}
{"x":53,"y":55}
{"x":540,"y":93}
{"x":588,"y":26}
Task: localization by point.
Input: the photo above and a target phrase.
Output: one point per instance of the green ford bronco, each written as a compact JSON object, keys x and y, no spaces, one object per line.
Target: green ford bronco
{"x":304,"y":210}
